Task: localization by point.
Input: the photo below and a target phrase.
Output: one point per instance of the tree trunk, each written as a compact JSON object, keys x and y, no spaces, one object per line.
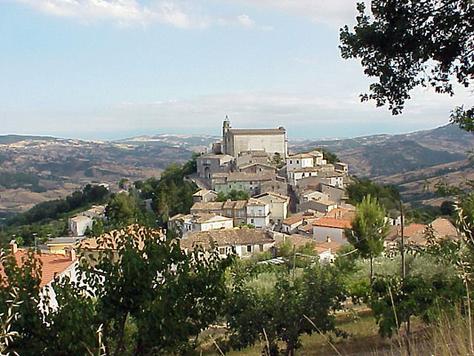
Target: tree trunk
{"x":120,"y":343}
{"x":371,"y":269}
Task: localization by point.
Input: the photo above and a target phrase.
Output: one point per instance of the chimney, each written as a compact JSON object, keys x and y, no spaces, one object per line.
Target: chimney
{"x":13,"y":246}
{"x":71,"y":253}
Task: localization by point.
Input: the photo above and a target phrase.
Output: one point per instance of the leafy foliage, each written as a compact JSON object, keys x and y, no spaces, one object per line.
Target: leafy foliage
{"x":233,"y":195}
{"x":172,"y":193}
{"x":143,"y":292}
{"x":410,"y":43}
{"x":388,"y":195}
{"x":329,"y":156}
{"x":394,"y":300}
{"x":295,"y":306}
{"x":369,"y":229}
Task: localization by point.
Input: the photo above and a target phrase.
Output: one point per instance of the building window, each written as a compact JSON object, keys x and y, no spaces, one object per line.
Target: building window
{"x":261,"y":248}
{"x":252,"y":221}
{"x":249,"y":248}
{"x":222,"y":250}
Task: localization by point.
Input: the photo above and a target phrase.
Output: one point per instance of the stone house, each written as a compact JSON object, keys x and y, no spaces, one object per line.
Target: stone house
{"x":204,"y":195}
{"x":242,"y":242}
{"x":237,"y":210}
{"x":247,"y":182}
{"x":250,"y":157}
{"x":209,"y":163}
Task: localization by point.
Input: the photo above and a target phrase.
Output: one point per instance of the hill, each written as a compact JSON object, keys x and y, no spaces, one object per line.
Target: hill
{"x":34,"y":169}
{"x":414,"y":162}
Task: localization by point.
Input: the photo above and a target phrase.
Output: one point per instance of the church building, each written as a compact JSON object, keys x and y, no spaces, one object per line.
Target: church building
{"x":235,"y":141}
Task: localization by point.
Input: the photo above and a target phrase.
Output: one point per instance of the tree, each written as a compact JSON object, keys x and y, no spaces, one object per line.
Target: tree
{"x":138,"y":280}
{"x":277,"y":160}
{"x":406,"y":44}
{"x":387,"y":195}
{"x":122,"y":210}
{"x":369,"y":229}
{"x":330,"y":157}
{"x":295,"y":306}
{"x":233,"y":195}
{"x":395,"y":300}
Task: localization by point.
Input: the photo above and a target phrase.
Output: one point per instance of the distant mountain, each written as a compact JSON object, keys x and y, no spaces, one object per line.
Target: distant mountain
{"x":415,"y":161}
{"x":35,"y":168}
{"x":196,"y":143}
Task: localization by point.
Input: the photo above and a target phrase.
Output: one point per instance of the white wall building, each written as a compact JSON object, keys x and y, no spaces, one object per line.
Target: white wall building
{"x":278,"y":205}
{"x":79,"y":224}
{"x":258,"y":213}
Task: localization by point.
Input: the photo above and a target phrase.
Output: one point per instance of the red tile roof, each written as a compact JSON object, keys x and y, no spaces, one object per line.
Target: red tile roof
{"x":51,"y":264}
{"x":333,"y":222}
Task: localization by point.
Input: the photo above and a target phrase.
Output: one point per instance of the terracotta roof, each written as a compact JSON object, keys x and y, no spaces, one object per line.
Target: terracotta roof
{"x":51,"y":264}
{"x":211,"y":205}
{"x":109,"y":239}
{"x":444,"y":228}
{"x":333,"y":222}
{"x":291,"y":220}
{"x":301,"y":241}
{"x":408,"y":231}
{"x":235,"y":204}
{"x":228,"y":237}
{"x":334,"y":246}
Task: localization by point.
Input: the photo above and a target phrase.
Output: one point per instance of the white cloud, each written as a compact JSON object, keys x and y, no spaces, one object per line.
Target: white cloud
{"x":244,"y":21}
{"x":122,"y":11}
{"x":332,"y":12}
{"x":177,"y":13}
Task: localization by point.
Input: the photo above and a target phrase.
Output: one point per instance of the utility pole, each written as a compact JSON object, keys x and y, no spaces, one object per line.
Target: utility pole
{"x":402,"y":235}
{"x":402,"y":250}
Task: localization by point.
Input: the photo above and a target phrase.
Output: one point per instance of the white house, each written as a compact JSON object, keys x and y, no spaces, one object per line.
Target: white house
{"x":298,"y":161}
{"x":300,"y":173}
{"x":258,"y":213}
{"x":278,"y":205}
{"x":185,"y":224}
{"x":53,"y":266}
{"x":79,"y":224}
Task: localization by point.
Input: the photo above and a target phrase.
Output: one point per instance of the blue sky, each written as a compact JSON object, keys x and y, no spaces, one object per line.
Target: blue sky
{"x":115,"y":68}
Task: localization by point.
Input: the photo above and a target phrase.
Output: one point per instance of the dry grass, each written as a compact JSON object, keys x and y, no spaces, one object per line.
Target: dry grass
{"x":450,"y":337}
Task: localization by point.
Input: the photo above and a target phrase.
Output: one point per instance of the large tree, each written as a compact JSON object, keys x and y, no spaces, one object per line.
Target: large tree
{"x":407,"y":43}
{"x":141,"y":291}
{"x":369,"y":229}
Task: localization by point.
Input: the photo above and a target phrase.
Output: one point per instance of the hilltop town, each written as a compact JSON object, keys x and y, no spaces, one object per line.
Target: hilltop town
{"x":246,"y":204}
{"x":251,"y":195}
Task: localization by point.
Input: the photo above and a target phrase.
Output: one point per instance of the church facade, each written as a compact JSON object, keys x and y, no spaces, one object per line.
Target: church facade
{"x":236,"y":141}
